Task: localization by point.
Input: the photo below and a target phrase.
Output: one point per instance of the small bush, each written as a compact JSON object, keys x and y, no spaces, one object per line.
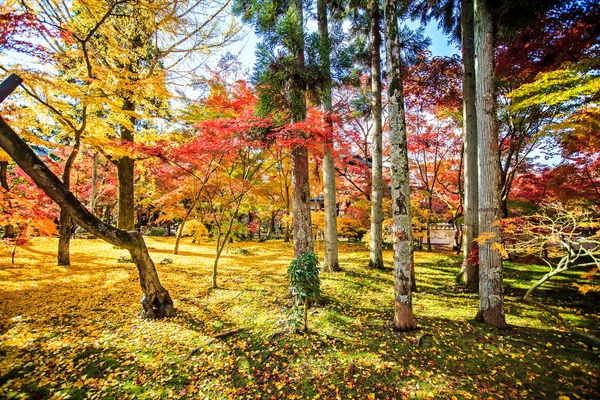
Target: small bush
{"x":195,"y":228}
{"x":350,"y":228}
{"x":156,"y":231}
{"x":305,"y":284}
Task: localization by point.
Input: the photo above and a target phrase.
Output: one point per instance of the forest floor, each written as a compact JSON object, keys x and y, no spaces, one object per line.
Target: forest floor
{"x":74,"y":332}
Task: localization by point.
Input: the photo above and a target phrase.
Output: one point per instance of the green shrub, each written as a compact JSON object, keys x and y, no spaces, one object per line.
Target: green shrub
{"x":156,"y":231}
{"x":305,"y":284}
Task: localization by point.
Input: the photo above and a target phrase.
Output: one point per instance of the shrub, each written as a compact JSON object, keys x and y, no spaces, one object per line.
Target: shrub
{"x":350,"y":228}
{"x":305,"y":283}
{"x":156,"y":231}
{"x":195,"y":228}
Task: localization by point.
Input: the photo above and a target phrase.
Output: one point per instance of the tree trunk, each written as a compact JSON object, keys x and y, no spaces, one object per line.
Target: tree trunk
{"x":301,"y":202}
{"x":428,"y":226}
{"x":402,"y":225}
{"x":504,"y":206}
{"x":303,"y":242}
{"x":376,"y":257}
{"x":330,"y":262}
{"x":272,"y":232}
{"x":470,"y":266}
{"x":94,"y":194}
{"x":64,"y":239}
{"x":183,"y":221}
{"x":156,"y":301}
{"x":491,"y":297}
{"x":125,"y":177}
{"x":9,"y":231}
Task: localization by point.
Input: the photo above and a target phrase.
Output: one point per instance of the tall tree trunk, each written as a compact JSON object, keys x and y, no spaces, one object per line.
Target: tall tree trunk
{"x":125,"y":177}
{"x":330,"y":262}
{"x":376,"y":257}
{"x":64,"y":239}
{"x":470,"y":266}
{"x":491,"y":297}
{"x":9,"y":230}
{"x":156,"y":301}
{"x":402,"y":225}
{"x":303,"y":242}
{"x":94,"y":194}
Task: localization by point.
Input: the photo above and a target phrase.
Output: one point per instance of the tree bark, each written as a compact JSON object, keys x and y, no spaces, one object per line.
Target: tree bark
{"x":330,"y":262}
{"x":125,"y":177}
{"x":302,"y":225}
{"x":376,"y":256}
{"x":64,"y":239}
{"x":491,"y":297}
{"x":94,"y":194}
{"x":156,"y":301}
{"x":470,"y":266}
{"x":402,"y":225}
{"x":9,"y":230}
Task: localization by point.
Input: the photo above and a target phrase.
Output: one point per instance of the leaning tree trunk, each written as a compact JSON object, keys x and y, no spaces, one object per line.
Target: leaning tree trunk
{"x":156,"y":301}
{"x":125,"y":177}
{"x":303,"y":242}
{"x":9,"y":230}
{"x":64,"y":239}
{"x":470,"y":266}
{"x":491,"y":297}
{"x":402,"y":226}
{"x":375,"y":245}
{"x":330,"y":261}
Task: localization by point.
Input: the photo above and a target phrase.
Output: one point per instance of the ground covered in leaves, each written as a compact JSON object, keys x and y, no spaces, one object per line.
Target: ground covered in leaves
{"x":75,"y":333}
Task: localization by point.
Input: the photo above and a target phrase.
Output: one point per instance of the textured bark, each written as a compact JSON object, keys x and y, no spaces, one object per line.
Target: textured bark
{"x":156,"y":301}
{"x":302,"y":225}
{"x":330,"y":262}
{"x":125,"y":178}
{"x":470,"y":268}
{"x":64,"y":239}
{"x":402,"y":225}
{"x":375,"y":244}
{"x":491,"y":297}
{"x":9,"y":231}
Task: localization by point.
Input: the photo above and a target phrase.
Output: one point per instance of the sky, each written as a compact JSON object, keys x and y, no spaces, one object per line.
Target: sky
{"x":439,"y":44}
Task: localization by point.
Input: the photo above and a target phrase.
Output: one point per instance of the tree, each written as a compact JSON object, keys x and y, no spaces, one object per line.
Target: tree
{"x":470,"y":267}
{"x":375,"y":246}
{"x":282,"y":81}
{"x":330,"y":261}
{"x":491,"y":297}
{"x":156,"y":301}
{"x":401,"y":228}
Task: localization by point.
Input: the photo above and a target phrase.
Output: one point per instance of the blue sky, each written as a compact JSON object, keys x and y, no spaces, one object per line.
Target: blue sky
{"x":439,"y":43}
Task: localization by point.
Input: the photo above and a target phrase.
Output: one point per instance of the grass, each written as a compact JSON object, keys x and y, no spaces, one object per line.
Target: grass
{"x":74,"y":331}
